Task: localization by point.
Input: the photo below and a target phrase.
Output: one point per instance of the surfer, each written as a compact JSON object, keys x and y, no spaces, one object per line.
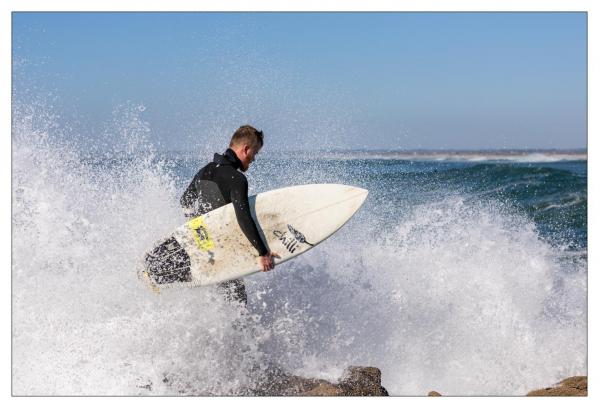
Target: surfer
{"x":221,"y":182}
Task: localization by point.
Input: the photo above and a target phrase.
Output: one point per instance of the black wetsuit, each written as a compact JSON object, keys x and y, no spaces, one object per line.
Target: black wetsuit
{"x":217,"y":184}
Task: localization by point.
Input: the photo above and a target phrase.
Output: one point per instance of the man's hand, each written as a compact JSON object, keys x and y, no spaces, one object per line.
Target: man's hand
{"x":266,"y":261}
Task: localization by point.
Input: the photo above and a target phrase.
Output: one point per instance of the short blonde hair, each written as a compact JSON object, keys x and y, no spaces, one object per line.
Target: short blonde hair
{"x":247,"y":134}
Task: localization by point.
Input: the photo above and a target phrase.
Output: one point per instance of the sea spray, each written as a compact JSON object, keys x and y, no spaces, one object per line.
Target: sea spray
{"x":442,"y":285}
{"x":460,"y":296}
{"x":82,"y":322}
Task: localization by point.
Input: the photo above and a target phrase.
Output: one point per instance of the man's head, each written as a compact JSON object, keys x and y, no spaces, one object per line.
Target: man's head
{"x":246,"y":143}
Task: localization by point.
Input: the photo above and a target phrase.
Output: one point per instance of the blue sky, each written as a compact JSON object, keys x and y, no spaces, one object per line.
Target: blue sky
{"x":313,"y":80}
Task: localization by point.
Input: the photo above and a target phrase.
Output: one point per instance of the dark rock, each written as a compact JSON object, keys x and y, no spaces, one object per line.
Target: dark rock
{"x":322,"y":390}
{"x":434,"y":394}
{"x":570,"y":387}
{"x":362,"y":381}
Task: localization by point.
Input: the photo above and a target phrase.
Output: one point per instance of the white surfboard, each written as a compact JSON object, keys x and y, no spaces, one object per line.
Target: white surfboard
{"x":212,"y":248}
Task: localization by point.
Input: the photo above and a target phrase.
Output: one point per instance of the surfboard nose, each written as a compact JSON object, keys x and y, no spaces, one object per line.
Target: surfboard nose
{"x":361,"y":191}
{"x":357,"y":196}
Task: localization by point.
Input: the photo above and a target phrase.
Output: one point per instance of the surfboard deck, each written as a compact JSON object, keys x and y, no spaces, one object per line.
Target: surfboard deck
{"x":211,"y":248}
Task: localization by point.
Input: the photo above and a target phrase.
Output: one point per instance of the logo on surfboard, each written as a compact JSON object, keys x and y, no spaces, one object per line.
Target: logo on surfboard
{"x":200,"y":234}
{"x":291,"y":242}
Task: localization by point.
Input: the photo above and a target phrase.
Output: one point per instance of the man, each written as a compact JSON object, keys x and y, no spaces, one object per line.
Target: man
{"x":221,"y":182}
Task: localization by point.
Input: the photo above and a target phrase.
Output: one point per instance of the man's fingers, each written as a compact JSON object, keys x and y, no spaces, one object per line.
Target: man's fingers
{"x":267,"y":262}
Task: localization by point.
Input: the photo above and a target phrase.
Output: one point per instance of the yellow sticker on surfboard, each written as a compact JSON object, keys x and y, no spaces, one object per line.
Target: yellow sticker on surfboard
{"x":200,"y":234}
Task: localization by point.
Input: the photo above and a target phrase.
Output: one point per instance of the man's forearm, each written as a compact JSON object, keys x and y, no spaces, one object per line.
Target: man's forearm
{"x":250,"y":230}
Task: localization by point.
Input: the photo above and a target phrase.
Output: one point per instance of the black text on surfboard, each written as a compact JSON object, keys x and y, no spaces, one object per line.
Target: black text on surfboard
{"x":291,"y":242}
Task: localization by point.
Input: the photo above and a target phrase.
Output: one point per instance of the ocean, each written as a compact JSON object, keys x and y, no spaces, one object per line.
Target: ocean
{"x":464,"y":272}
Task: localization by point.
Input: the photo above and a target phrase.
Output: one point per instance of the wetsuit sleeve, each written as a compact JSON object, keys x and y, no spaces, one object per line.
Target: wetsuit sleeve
{"x":239,"y":198}
{"x":190,"y":196}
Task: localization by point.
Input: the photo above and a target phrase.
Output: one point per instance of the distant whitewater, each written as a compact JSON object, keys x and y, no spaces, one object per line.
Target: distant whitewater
{"x":503,"y":155}
{"x":463,"y":273}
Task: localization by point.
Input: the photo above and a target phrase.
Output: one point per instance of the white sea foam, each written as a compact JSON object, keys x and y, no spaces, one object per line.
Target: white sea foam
{"x":517,"y":156}
{"x":459,"y":297}
{"x":455,"y":295}
{"x":82,"y":323}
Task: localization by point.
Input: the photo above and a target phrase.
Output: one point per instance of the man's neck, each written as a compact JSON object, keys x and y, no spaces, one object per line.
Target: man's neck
{"x":235,"y":159}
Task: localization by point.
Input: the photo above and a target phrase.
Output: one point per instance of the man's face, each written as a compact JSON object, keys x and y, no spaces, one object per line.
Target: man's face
{"x":248,"y":157}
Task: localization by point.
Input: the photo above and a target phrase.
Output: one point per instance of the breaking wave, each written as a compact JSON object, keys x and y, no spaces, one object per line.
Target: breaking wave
{"x":454,"y":292}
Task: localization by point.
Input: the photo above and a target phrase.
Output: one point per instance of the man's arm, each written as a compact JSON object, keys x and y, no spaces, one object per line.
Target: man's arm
{"x":239,"y":198}
{"x":189,"y":198}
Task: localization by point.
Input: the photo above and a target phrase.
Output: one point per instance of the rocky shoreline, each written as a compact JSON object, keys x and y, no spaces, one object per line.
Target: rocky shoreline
{"x":569,"y":387}
{"x":355,"y":381}
{"x":366,"y":381}
{"x":360,"y":381}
